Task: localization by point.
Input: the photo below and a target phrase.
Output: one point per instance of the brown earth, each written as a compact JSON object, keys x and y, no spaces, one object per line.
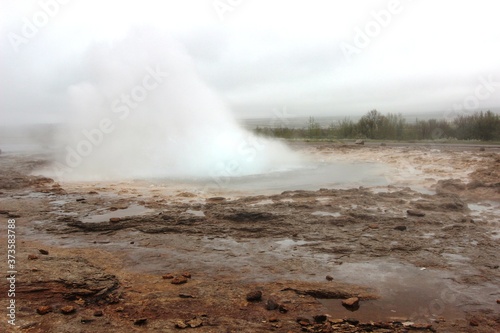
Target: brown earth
{"x":423,"y":261}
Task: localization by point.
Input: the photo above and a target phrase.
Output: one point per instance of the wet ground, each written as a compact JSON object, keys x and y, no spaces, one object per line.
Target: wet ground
{"x":412,"y":231}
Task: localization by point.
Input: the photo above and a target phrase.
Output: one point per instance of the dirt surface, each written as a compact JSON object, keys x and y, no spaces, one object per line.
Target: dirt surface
{"x":420,"y":252}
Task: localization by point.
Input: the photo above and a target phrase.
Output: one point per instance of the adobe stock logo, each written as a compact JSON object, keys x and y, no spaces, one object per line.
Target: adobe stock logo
{"x":247,"y":151}
{"x":31,"y":26}
{"x":221,"y":7}
{"x":363,"y":36}
{"x":483,"y":91}
{"x":122,"y":107}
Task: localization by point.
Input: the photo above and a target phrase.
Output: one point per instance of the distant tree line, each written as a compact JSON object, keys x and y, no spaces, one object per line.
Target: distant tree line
{"x":484,"y":126}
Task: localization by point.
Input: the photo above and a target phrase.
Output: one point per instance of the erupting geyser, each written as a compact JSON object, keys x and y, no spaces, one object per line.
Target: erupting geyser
{"x":141,"y":111}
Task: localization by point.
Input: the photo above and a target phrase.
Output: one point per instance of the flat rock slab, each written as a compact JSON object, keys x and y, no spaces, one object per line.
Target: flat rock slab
{"x":64,"y":278}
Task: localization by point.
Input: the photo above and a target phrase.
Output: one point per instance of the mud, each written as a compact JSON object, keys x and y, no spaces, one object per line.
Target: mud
{"x":413,"y":232}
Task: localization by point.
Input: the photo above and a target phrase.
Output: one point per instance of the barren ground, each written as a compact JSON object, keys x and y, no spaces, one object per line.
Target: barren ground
{"x":419,"y":251}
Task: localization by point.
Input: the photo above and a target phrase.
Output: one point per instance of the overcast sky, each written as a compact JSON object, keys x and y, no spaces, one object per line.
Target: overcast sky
{"x":310,"y":57}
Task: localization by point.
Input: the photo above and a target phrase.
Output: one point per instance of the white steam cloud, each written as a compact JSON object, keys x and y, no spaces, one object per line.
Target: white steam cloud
{"x":141,"y":111}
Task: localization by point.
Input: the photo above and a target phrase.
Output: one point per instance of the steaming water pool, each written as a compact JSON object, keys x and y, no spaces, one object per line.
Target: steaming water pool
{"x":312,"y":177}
{"x":433,"y":293}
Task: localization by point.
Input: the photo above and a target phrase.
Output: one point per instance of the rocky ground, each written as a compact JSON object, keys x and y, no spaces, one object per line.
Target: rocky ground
{"x":419,"y":254}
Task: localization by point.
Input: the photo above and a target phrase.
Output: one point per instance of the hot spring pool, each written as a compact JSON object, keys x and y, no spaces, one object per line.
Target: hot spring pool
{"x":311,"y":177}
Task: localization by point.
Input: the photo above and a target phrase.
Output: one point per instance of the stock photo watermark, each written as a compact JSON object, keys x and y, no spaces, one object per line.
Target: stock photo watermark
{"x":363,"y":36}
{"x":222,"y":7}
{"x":247,"y":150}
{"x":11,"y":271}
{"x":32,"y":25}
{"x":281,"y":117}
{"x":122,"y":107}
{"x":483,"y":91}
{"x":435,"y":308}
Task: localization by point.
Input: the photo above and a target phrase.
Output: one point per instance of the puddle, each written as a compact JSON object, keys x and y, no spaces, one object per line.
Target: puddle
{"x":291,"y":242}
{"x":132,"y":210}
{"x":378,"y":189}
{"x":263,"y":202}
{"x":196,"y":212}
{"x":59,"y":202}
{"x":423,"y":190}
{"x":453,"y":258}
{"x":488,"y":211}
{"x":482,"y":207}
{"x":407,"y":293}
{"x":495,"y":235}
{"x":320,"y":213}
{"x":392,"y":189}
{"x":256,"y":260}
{"x":32,"y":195}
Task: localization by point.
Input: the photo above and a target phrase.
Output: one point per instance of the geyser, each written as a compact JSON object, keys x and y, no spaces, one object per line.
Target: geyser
{"x":139,"y":110}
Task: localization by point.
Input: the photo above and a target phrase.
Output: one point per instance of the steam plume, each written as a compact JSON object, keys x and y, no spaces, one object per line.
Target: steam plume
{"x":141,"y":110}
